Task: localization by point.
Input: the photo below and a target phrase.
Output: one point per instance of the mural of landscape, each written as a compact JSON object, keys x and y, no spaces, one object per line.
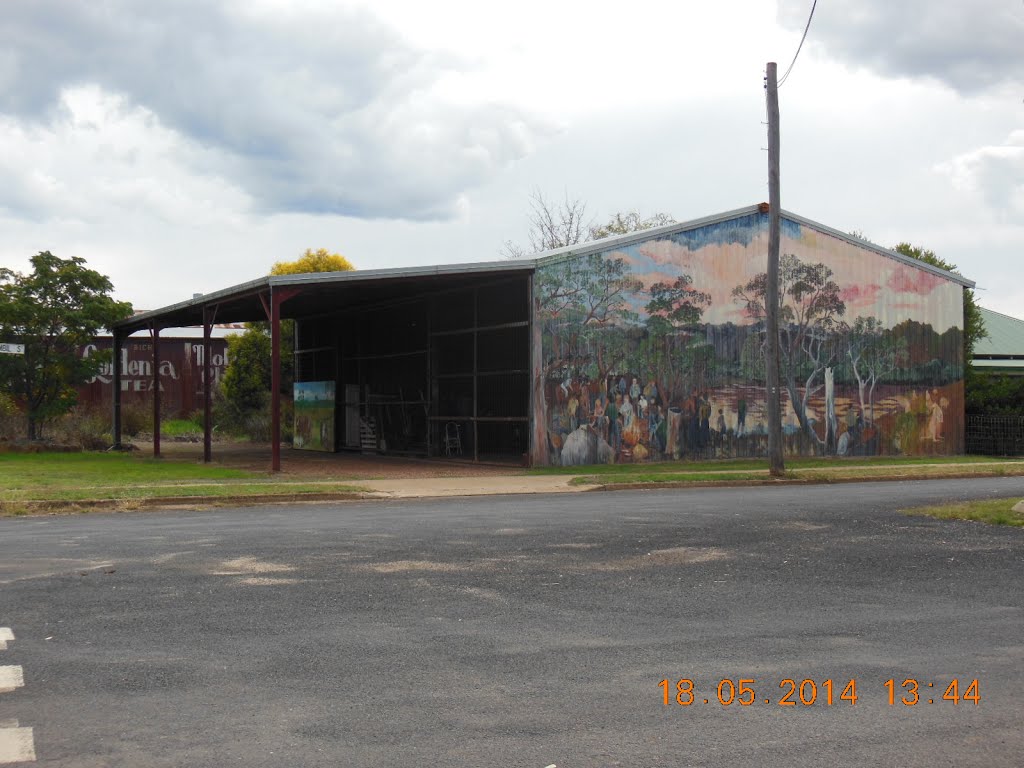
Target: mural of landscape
{"x":314,"y":415}
{"x":654,"y":351}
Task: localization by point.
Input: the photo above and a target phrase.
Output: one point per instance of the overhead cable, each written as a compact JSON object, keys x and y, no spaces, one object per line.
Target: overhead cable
{"x":790,"y":69}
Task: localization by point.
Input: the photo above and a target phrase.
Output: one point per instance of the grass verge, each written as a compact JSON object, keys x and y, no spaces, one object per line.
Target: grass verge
{"x":71,"y":481}
{"x":992,"y":511}
{"x":56,"y":471}
{"x":802,"y":470}
{"x":804,"y":464}
{"x":655,"y":478}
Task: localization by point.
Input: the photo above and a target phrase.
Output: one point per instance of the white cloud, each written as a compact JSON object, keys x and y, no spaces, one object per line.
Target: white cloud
{"x":96,"y":155}
{"x":995,"y":172}
{"x":328,"y":111}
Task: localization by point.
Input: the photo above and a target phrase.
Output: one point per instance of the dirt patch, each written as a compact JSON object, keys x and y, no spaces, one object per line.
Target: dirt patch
{"x":242,"y":565}
{"x":486,"y":565}
{"x":342,"y":466}
{"x":263,"y":581}
{"x":164,"y":559}
{"x":803,"y":525}
{"x":406,"y":566}
{"x":660,"y":558}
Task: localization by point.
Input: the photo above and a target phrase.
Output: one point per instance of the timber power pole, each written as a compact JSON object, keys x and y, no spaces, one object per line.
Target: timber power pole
{"x":771,"y":300}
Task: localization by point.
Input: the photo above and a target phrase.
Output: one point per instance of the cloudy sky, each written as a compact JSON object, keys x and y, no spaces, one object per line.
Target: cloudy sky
{"x":185,"y":146}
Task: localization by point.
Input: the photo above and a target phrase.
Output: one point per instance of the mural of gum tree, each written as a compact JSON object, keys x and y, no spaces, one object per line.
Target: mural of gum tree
{"x":577,"y":301}
{"x":874,"y":353}
{"x":809,"y":312}
{"x":673,"y":310}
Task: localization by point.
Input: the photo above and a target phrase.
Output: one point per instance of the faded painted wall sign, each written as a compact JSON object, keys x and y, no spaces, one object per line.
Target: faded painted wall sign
{"x":181,"y":372}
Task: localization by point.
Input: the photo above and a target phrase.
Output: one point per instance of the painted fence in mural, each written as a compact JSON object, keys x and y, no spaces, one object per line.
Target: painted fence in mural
{"x":654,"y":350}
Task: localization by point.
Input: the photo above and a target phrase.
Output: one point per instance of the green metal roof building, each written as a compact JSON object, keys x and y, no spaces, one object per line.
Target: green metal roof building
{"x":1002,"y":348}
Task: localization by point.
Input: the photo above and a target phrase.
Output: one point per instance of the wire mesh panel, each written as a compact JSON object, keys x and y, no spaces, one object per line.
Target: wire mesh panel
{"x":995,"y":435}
{"x":480,"y":370}
{"x":504,"y":439}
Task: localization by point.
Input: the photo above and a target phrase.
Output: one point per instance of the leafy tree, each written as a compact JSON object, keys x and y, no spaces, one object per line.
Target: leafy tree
{"x":53,"y":311}
{"x":624,"y":223}
{"x":809,"y":312}
{"x":246,"y":381}
{"x":320,"y":260}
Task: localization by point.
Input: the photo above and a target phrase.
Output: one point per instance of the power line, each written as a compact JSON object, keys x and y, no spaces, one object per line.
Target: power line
{"x":790,"y":69}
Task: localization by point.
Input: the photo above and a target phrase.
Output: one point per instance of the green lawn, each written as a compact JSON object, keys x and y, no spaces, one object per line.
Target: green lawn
{"x":55,"y":471}
{"x":992,"y":511}
{"x":179,"y":427}
{"x":67,"y":478}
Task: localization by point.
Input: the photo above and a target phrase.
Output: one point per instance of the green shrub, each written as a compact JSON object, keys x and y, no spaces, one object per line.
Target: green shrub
{"x":86,"y":427}
{"x":988,"y":393}
{"x":253,"y":422}
{"x":255,"y":425}
{"x":12,"y":420}
{"x":135,"y":419}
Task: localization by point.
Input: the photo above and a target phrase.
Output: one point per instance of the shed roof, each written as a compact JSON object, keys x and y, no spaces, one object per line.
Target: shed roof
{"x":620,"y":241}
{"x":327,"y":291}
{"x":324,"y":292}
{"x":1004,"y":337}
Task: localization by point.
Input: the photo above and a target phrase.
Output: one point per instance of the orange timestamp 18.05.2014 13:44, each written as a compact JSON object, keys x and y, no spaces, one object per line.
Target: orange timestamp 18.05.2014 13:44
{"x":807,"y":692}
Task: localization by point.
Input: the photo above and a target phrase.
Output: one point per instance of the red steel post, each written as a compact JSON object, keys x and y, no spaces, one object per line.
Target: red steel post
{"x":155,"y":332}
{"x":209,"y":313}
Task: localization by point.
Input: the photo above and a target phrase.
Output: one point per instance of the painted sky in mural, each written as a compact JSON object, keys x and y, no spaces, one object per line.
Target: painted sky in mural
{"x":721,"y":256}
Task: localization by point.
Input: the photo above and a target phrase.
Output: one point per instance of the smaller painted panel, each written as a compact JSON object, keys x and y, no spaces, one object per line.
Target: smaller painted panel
{"x":314,"y":416}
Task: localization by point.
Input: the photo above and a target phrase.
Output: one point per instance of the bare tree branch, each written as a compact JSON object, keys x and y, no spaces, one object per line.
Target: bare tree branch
{"x":559,"y":225}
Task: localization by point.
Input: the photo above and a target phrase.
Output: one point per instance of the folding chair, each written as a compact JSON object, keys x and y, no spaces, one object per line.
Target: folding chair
{"x":452,"y":439}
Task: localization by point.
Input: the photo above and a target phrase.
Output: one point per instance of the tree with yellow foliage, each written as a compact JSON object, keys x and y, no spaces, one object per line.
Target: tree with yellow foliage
{"x":246,"y":384}
{"x":320,"y":260}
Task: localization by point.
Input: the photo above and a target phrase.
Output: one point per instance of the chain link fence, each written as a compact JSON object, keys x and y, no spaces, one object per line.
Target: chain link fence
{"x":995,"y":435}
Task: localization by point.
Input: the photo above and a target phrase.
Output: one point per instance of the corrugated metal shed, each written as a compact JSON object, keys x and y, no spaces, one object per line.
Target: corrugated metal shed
{"x":318,"y":301}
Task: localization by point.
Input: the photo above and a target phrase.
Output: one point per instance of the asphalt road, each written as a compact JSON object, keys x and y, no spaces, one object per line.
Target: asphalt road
{"x":520,"y":631}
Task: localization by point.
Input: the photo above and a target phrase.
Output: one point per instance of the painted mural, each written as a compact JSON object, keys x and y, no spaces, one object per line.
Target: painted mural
{"x":314,"y":415}
{"x":655,"y":351}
